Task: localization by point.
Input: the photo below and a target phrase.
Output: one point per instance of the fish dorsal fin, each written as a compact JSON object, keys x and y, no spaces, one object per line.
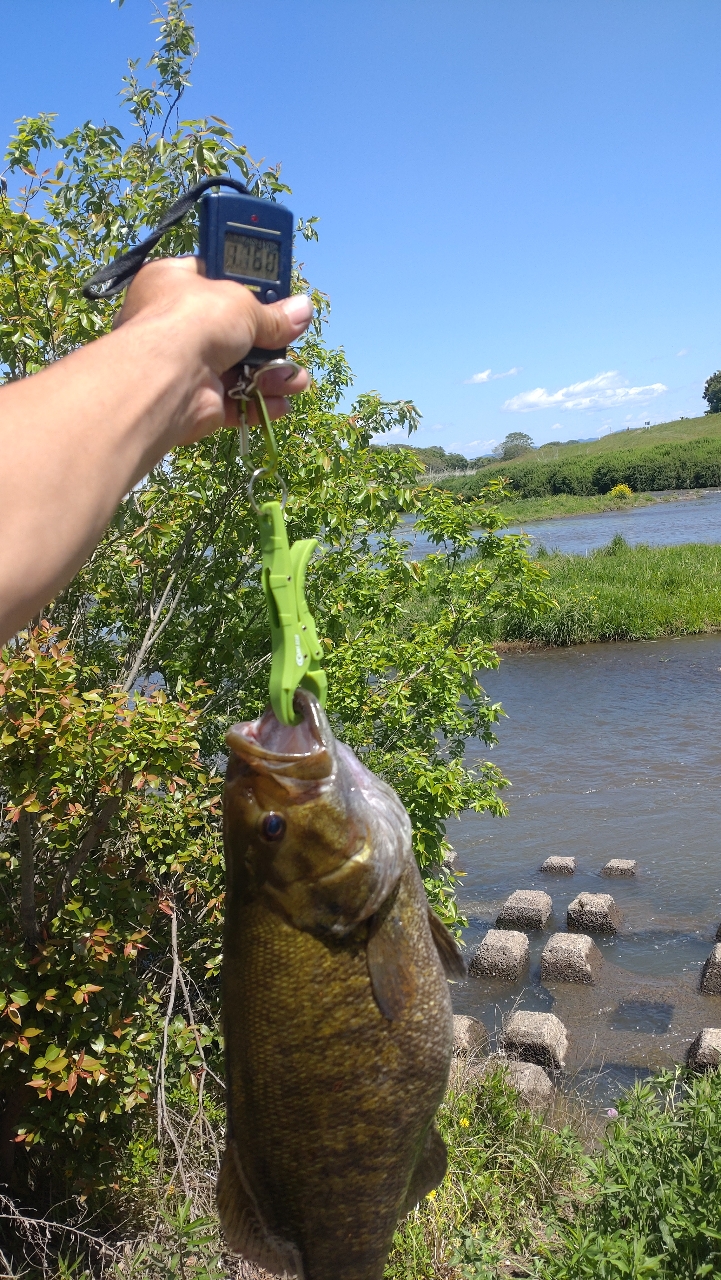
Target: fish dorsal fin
{"x":390,"y":961}
{"x":454,"y":965}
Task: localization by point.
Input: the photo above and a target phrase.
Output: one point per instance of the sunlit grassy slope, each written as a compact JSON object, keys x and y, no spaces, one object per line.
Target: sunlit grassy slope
{"x":642,"y":438}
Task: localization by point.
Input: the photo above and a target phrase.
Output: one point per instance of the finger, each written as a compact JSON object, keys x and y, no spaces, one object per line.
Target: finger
{"x":278,"y":323}
{"x":282,"y":382}
{"x":277,"y":407}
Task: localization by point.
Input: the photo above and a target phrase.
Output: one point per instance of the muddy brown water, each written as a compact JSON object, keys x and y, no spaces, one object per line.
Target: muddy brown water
{"x":614,"y":750}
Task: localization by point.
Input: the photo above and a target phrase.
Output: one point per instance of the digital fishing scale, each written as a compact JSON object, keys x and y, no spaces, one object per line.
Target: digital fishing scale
{"x":242,"y":238}
{"x":249,"y":241}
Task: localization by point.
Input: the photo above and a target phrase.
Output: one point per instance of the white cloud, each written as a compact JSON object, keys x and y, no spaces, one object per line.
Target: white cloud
{"x":483,"y":444}
{"x":605,"y":391}
{"x":556,"y":427}
{"x":683,"y":352}
{"x":439,"y":426}
{"x":488,"y":376}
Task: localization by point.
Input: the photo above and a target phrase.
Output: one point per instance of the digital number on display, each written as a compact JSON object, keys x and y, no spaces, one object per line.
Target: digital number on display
{"x":250,"y":256}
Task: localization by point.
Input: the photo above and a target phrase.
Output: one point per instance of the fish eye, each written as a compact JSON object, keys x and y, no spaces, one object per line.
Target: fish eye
{"x":273,"y":827}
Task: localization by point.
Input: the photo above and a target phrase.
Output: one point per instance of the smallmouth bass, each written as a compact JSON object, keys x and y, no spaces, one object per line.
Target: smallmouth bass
{"x":336,"y":1010}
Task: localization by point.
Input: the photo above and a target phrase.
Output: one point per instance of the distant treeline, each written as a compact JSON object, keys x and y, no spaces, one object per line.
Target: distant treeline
{"x":693,"y":464}
{"x":435,"y":458}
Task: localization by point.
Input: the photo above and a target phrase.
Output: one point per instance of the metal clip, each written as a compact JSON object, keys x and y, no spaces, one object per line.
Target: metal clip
{"x":246,"y":388}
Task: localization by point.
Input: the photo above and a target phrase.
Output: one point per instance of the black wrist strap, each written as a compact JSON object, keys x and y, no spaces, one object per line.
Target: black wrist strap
{"x":117,"y":274}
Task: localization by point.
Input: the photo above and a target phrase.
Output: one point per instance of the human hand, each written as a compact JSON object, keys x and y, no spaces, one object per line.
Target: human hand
{"x":208,"y":326}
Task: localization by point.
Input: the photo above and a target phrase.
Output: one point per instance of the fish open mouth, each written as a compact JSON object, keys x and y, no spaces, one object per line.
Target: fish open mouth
{"x":303,"y":750}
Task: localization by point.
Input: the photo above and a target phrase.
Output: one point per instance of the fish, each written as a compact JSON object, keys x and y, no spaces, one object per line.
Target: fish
{"x":337,"y":1019}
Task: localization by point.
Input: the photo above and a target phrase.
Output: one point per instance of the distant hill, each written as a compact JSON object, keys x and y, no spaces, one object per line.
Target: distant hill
{"x":676,"y":432}
{"x":682,"y":454}
{"x":435,"y":458}
{"x":685,"y":454}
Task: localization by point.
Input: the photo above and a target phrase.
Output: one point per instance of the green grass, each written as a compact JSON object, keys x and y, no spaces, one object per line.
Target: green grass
{"x":626,"y":593}
{"x":556,"y":505}
{"x":509,"y":1178}
{"x":566,"y":1196}
{"x":679,"y":431}
{"x":654,"y":1207}
{"x":676,"y":432}
{"x":520,"y":1190}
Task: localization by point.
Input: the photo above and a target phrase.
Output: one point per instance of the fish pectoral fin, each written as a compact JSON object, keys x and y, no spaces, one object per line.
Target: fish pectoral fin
{"x":429,"y":1171}
{"x":454,"y":965}
{"x":391,"y":964}
{"x":243,"y":1227}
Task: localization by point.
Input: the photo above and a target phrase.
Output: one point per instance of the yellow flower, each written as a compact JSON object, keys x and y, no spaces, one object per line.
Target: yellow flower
{"x":431,"y":1195}
{"x":464,"y":1123}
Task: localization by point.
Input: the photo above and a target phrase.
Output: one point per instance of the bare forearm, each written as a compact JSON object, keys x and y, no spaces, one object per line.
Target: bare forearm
{"x":76,"y":437}
{"x":73,"y":441}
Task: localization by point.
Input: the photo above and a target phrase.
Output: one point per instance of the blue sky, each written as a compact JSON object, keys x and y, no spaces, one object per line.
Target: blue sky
{"x":519,"y":199}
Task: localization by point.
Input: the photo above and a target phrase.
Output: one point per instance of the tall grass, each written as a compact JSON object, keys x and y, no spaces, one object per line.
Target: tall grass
{"x":555,"y":1197}
{"x":626,"y":593}
{"x":521,"y":1198}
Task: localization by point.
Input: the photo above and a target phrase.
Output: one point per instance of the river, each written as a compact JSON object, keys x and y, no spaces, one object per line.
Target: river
{"x":693,"y":518}
{"x":614,"y":750}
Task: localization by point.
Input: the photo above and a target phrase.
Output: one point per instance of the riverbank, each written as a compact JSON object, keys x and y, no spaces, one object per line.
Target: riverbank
{"x":625,"y":593}
{"x":525,"y":511}
{"x":562,"y":1195}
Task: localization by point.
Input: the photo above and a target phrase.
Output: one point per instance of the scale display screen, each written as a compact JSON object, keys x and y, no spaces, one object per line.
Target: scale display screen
{"x":251,"y":256}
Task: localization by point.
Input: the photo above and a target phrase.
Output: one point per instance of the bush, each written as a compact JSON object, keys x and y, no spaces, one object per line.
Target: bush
{"x":693,"y":464}
{"x":621,"y":491}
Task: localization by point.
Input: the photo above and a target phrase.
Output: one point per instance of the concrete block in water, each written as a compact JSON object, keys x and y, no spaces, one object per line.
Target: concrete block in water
{"x":469,"y":1035}
{"x":570,"y":957}
{"x":536,"y":1037}
{"x":620,"y":867}
{"x":711,"y":973}
{"x":525,"y":909}
{"x":705,"y":1052}
{"x":594,"y":913}
{"x":718,"y":934}
{"x":502,"y":954}
{"x":563,"y":866}
{"x":531,"y":1082}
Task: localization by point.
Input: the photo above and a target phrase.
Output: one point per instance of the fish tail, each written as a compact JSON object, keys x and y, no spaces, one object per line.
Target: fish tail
{"x":243,"y":1226}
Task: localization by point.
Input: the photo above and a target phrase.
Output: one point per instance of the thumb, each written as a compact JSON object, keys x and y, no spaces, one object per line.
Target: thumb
{"x":278,"y":323}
